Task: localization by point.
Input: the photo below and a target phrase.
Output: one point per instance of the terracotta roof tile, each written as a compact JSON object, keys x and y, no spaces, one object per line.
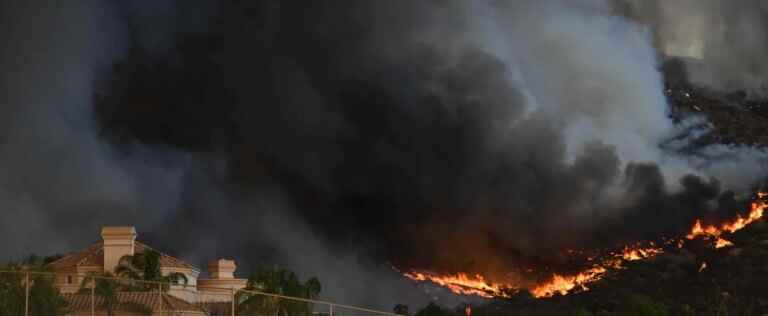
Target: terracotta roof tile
{"x":94,"y":256}
{"x":78,"y":258}
{"x":165,"y":260}
{"x":128,"y":301}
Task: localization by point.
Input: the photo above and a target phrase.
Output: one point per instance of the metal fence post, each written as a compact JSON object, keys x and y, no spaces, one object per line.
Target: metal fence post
{"x":331,"y":305}
{"x":93,"y":297}
{"x":160,"y":296}
{"x":233,"y":301}
{"x":26,"y":294}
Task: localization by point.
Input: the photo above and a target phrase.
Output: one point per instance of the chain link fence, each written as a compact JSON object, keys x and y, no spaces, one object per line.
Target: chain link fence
{"x":33,"y":293}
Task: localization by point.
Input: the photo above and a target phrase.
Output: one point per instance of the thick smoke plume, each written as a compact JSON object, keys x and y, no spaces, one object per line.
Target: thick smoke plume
{"x":723,"y":43}
{"x":59,"y":180}
{"x":335,"y":137}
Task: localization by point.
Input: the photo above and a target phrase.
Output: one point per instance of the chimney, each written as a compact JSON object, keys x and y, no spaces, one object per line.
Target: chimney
{"x":118,"y":242}
{"x":222,"y":279}
{"x":222,"y":269}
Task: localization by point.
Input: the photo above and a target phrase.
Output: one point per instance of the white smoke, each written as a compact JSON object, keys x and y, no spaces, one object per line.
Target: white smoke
{"x":597,"y":74}
{"x":724,"y":42}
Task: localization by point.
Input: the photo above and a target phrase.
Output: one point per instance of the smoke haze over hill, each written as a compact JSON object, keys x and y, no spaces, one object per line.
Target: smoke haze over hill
{"x":335,"y":137}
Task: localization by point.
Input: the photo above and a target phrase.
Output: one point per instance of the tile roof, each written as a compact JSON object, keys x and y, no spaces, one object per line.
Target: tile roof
{"x":166,"y":261}
{"x":131,"y":301}
{"x":94,"y":256}
{"x":91,"y":256}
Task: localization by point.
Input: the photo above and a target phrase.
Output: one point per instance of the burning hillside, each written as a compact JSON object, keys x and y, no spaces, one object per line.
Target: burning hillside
{"x":563,"y":283}
{"x":491,"y":147}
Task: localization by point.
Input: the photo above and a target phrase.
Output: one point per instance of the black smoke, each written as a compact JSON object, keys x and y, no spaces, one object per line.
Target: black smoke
{"x":335,"y":137}
{"x":379,"y":137}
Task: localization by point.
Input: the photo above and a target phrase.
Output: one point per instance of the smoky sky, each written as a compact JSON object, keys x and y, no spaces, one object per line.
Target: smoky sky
{"x":337,"y":137}
{"x":723,"y":44}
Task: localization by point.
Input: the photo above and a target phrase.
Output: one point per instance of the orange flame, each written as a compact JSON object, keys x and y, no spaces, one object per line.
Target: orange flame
{"x":638,"y":252}
{"x":720,"y":243}
{"x":560,"y":284}
{"x":466,"y":284}
{"x":755,"y":213}
{"x":460,"y":283}
{"x":463,"y":283}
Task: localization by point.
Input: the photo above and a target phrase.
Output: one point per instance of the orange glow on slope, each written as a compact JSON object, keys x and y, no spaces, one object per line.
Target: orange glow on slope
{"x":466,"y":284}
{"x":755,"y":213}
{"x":463,"y":283}
{"x":561,"y":284}
{"x":460,"y":283}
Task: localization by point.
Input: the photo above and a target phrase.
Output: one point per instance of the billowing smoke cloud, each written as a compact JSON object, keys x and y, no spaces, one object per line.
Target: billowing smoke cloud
{"x":333,"y":138}
{"x":723,"y":42}
{"x":449,"y":135}
{"x":58,"y":180}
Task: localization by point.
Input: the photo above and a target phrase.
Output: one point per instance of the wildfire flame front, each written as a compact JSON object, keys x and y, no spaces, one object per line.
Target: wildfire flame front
{"x":469,"y":284}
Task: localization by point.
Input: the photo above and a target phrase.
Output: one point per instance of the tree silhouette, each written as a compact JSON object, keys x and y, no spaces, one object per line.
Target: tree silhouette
{"x":44,"y":297}
{"x":145,"y":266}
{"x":277,"y":281}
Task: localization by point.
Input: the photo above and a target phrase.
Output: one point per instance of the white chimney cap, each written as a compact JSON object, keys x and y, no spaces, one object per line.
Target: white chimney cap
{"x":118,"y":231}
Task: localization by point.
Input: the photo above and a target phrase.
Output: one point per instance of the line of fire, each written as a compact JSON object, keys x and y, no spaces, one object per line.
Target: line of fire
{"x":599,"y":264}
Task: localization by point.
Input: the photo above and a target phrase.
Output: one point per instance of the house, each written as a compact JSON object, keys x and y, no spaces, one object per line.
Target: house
{"x":132,"y":303}
{"x":184,"y":298}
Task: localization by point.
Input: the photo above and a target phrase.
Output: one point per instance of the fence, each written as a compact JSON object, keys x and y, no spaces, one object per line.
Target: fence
{"x":34,"y":293}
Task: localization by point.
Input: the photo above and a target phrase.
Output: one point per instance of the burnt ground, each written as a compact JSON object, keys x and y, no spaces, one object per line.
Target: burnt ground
{"x":735,"y":117}
{"x":735,"y":280}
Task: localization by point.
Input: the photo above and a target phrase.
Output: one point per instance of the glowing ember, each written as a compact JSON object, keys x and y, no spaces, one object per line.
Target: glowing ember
{"x":466,"y":284}
{"x":637,"y":252}
{"x":720,"y":243}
